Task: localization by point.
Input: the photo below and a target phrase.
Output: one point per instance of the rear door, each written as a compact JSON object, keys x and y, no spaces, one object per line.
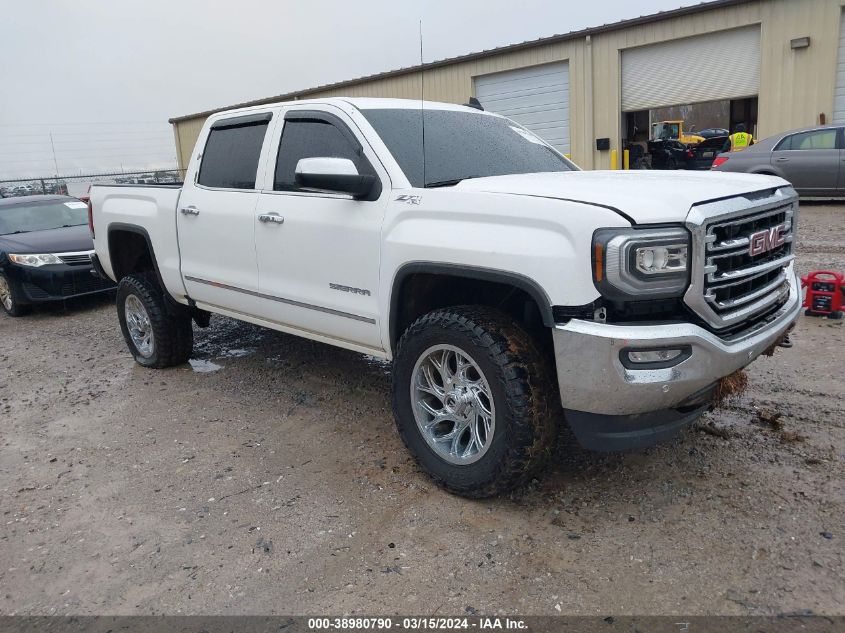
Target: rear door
{"x":810,"y":161}
{"x":215,"y":214}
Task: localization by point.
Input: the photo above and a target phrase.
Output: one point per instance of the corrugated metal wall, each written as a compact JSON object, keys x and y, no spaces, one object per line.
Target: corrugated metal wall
{"x":692,"y":70}
{"x":795,"y":85}
{"x":839,"y":94}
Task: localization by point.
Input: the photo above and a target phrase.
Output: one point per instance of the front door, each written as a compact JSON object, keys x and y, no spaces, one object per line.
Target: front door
{"x":810,"y":161}
{"x":215,"y":216}
{"x":318,"y":253}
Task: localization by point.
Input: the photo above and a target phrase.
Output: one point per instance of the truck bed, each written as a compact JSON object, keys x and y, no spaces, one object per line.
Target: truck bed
{"x":149,"y":210}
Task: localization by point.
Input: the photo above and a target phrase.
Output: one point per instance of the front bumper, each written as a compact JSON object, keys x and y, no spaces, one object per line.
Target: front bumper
{"x":592,"y":378}
{"x":57,"y":282}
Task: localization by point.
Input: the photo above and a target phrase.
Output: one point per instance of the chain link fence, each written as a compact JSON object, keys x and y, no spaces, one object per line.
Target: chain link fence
{"x":78,"y":185}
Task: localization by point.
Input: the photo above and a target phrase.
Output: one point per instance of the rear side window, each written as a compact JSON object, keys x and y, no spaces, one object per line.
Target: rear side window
{"x":817,"y":139}
{"x":312,"y":139}
{"x":230,"y":159}
{"x":713,"y":142}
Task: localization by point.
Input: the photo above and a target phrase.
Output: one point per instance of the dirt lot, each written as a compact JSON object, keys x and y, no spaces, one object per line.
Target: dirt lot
{"x":277,"y":484}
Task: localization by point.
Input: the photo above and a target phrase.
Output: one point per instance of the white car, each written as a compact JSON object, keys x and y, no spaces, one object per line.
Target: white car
{"x":510,"y":290}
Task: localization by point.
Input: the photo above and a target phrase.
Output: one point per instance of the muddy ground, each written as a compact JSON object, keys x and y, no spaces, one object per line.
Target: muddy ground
{"x":277,"y":484}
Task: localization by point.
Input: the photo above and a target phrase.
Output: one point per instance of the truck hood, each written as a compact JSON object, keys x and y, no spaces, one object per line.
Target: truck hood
{"x":647,"y":197}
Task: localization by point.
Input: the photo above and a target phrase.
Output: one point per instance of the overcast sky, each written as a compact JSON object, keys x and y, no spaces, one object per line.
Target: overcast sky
{"x":104,"y":76}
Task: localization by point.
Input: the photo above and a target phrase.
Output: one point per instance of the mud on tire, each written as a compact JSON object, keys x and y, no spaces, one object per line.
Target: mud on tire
{"x":524,"y":395}
{"x":169,"y":327}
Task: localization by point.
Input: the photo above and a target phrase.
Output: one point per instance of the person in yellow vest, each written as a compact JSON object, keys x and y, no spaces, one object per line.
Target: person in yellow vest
{"x":740,"y":139}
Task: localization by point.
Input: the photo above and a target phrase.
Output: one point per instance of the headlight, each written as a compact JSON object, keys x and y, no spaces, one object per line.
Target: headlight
{"x":35,"y":260}
{"x":631,"y":264}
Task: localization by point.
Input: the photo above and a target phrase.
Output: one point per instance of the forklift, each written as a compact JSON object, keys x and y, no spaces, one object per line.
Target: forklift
{"x":668,"y":144}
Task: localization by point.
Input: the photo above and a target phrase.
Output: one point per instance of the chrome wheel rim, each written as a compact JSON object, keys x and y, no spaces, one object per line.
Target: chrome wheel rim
{"x":5,"y":293}
{"x":138,"y":324}
{"x":453,"y":404}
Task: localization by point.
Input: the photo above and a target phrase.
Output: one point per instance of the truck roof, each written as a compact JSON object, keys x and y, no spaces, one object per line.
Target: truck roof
{"x":361,"y":103}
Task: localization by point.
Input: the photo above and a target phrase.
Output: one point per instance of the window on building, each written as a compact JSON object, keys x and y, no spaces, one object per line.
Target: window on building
{"x":230,"y":158}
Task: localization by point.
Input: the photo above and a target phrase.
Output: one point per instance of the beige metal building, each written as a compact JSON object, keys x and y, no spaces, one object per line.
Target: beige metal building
{"x":771,"y":64}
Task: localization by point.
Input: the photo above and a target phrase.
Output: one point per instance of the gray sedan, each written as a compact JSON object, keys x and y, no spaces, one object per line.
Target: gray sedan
{"x":812,"y":159}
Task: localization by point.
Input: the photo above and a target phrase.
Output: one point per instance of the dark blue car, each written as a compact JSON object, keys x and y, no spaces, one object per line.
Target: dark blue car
{"x":45,"y":252}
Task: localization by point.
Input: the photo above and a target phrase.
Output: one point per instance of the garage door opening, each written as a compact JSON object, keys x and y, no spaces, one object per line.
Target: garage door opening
{"x":662,"y":137}
{"x":709,"y":81}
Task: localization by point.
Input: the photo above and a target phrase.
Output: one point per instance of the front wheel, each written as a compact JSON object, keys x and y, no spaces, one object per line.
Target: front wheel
{"x":157,"y":333}
{"x":10,"y":297}
{"x":474,"y":400}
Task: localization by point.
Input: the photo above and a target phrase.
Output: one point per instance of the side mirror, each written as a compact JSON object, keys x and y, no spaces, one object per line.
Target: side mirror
{"x":333,"y":175}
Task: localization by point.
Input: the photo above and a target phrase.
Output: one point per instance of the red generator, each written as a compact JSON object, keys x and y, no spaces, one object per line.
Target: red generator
{"x":825,"y":292}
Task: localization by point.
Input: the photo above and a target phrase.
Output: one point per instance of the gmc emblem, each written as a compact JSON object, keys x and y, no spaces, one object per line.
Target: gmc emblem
{"x":767,"y":239}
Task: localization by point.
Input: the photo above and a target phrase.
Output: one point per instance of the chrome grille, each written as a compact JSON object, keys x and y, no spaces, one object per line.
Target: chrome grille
{"x":733,"y":283}
{"x":76,"y":259}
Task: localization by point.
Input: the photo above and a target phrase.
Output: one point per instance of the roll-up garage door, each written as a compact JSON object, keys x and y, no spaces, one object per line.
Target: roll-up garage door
{"x":716,"y":66}
{"x":536,"y":97}
{"x":839,"y":95}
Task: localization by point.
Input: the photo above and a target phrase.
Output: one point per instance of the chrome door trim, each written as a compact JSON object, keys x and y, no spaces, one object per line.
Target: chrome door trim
{"x":298,"y":304}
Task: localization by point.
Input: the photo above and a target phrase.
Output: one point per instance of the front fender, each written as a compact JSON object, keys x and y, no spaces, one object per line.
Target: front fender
{"x":543,"y":242}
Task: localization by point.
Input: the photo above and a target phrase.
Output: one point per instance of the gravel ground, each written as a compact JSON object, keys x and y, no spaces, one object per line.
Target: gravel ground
{"x":268,"y":478}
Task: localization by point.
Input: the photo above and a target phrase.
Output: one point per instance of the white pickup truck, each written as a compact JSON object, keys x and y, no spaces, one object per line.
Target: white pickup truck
{"x":511,"y":290}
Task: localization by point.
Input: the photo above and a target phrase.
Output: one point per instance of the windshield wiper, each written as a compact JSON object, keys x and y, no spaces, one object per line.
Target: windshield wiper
{"x":447,"y":183}
{"x":18,"y":232}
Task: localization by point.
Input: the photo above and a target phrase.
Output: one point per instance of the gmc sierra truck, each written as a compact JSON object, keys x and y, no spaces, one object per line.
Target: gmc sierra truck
{"x":510,"y":290}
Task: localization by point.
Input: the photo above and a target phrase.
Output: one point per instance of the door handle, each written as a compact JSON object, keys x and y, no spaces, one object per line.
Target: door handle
{"x":192,"y":210}
{"x":782,"y":159}
{"x":272,"y":218}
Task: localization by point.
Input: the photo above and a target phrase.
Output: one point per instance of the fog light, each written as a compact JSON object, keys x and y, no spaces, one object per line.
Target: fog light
{"x":655,"y":358}
{"x":654,"y":355}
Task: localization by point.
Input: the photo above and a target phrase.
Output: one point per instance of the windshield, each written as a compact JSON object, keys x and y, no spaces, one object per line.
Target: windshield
{"x":42,"y":215}
{"x":460,"y":145}
{"x":667,"y":131}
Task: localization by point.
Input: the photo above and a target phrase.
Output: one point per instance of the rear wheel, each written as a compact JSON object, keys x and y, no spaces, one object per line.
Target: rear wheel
{"x":157,"y":333}
{"x":11,"y":297}
{"x":474,"y":400}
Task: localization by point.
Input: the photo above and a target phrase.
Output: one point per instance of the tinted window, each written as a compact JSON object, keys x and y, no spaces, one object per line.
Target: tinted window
{"x":230,"y":159}
{"x":818,"y":139}
{"x":713,"y":142}
{"x":40,"y":216}
{"x":461,"y":145}
{"x":312,"y":139}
